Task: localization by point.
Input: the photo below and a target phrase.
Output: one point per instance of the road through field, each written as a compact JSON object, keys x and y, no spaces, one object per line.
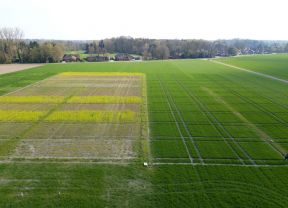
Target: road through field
{"x":253,"y":72}
{"x":8,"y":68}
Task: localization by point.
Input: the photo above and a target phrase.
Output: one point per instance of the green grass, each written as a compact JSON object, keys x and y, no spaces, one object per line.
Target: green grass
{"x":195,"y":118}
{"x":203,"y":131}
{"x":215,"y":150}
{"x":260,"y":151}
{"x":240,"y":131}
{"x":276,"y":130}
{"x":275,"y":65}
{"x":169,"y":149}
{"x":200,"y":117}
{"x":164,"y":130}
{"x":161,"y":117}
{"x":84,"y":185}
{"x":227,"y":117}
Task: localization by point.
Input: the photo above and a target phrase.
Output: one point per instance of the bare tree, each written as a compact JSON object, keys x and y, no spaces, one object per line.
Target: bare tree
{"x":10,"y":39}
{"x":11,"y":34}
{"x":161,"y":51}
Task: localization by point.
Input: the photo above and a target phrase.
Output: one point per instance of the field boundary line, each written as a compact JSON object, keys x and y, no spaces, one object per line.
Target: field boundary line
{"x":30,"y":85}
{"x":211,"y":117}
{"x":124,"y":161}
{"x":179,"y":160}
{"x":200,"y":178}
{"x":263,"y":135}
{"x":261,"y":108}
{"x":268,"y":140}
{"x":218,"y":164}
{"x":185,"y":126}
{"x":247,"y":123}
{"x":272,"y":101}
{"x":145,"y":125}
{"x":120,"y":162}
{"x":179,"y":130}
{"x":250,"y":71}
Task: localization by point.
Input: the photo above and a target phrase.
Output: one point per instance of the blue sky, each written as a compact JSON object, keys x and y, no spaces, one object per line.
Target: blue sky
{"x":93,"y":19}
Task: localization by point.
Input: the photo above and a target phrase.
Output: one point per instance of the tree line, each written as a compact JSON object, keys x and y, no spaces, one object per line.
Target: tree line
{"x":182,"y":49}
{"x":15,"y":49}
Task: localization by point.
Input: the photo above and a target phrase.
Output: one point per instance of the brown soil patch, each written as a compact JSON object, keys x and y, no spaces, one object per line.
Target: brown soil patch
{"x":100,"y":107}
{"x":8,"y":68}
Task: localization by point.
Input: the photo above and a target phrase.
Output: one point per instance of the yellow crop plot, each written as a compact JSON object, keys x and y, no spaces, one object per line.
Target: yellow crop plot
{"x":93,"y":116}
{"x":103,"y":74}
{"x":77,"y":116}
{"x":73,"y":99}
{"x":31,"y":99}
{"x":21,"y":115}
{"x":105,"y":99}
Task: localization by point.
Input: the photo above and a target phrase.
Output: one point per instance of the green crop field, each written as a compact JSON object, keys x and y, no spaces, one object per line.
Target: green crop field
{"x":77,"y":135}
{"x":271,"y":64}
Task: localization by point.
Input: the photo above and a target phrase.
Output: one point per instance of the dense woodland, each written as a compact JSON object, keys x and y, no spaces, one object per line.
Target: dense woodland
{"x":15,"y":49}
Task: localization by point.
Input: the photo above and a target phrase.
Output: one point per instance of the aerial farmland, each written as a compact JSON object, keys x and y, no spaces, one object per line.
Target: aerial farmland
{"x":143,"y":104}
{"x":177,"y":133}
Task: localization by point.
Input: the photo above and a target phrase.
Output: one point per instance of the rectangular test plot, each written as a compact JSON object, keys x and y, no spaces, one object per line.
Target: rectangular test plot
{"x":92,"y":116}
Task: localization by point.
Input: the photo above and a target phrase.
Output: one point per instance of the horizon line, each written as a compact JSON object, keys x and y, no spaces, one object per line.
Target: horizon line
{"x":130,"y":37}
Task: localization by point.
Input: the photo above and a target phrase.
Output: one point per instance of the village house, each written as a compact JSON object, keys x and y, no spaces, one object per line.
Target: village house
{"x":71,"y":57}
{"x":97,"y":58}
{"x":123,"y":57}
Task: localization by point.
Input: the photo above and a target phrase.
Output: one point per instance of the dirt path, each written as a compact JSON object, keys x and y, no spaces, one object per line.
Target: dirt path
{"x":8,"y":68}
{"x":253,"y":72}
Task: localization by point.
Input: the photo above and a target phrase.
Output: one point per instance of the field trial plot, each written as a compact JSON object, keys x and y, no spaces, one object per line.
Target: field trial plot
{"x":207,"y":123}
{"x":202,"y":118}
{"x":99,"y":116}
